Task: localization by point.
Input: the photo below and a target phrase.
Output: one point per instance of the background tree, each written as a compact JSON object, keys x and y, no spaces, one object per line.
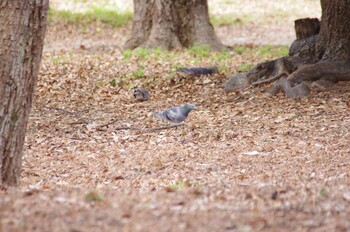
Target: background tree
{"x":22,"y":30}
{"x":171,"y":24}
{"x":321,"y":54}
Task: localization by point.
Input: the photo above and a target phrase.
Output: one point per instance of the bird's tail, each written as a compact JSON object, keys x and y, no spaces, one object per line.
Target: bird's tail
{"x":185,"y":70}
{"x":159,"y":115}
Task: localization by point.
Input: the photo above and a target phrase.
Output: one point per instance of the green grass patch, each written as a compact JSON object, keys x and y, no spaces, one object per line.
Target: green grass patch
{"x":93,"y":197}
{"x":245,"y":67}
{"x":183,"y":185}
{"x":61,"y":58}
{"x":218,"y":57}
{"x":200,"y":50}
{"x":230,"y":2}
{"x":96,"y":14}
{"x":146,"y":53}
{"x":141,"y":52}
{"x":263,"y":51}
{"x":127,"y":54}
{"x":269,"y":51}
{"x":197,"y":55}
{"x":54,"y":60}
{"x":139,"y":73}
{"x":178,"y":186}
{"x":160,"y":52}
{"x":114,"y":82}
{"x":239,"y":50}
{"x":224,"y":20}
{"x":323,"y":192}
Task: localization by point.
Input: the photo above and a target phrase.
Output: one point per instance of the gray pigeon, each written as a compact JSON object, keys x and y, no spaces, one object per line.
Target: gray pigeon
{"x":176,"y":114}
{"x":140,"y":94}
{"x":199,"y":70}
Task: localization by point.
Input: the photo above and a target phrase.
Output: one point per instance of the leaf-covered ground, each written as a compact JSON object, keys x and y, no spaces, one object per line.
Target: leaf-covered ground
{"x":241,"y":162}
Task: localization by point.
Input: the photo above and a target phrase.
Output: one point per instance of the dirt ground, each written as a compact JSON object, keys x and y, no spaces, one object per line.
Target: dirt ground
{"x":241,"y":162}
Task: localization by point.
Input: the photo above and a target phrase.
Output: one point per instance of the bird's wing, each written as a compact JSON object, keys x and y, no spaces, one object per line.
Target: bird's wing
{"x":146,"y":94}
{"x":173,"y":114}
{"x":169,"y":115}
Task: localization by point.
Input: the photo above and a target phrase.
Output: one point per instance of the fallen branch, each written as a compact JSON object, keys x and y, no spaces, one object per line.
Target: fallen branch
{"x":59,"y":109}
{"x":127,"y":128}
{"x":164,"y":127}
{"x":269,"y":80}
{"x":149,"y":129}
{"x":107,"y":124}
{"x":79,"y":122}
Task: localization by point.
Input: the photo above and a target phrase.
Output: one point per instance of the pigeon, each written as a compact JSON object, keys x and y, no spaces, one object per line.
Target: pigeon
{"x":140,"y":94}
{"x":199,"y":71}
{"x":176,"y":114}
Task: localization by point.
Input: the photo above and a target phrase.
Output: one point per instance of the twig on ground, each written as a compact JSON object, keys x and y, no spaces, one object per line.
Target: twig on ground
{"x":127,"y":128}
{"x":79,"y":122}
{"x":163,"y":127}
{"x":107,"y":124}
{"x":149,"y":129}
{"x":59,"y":109}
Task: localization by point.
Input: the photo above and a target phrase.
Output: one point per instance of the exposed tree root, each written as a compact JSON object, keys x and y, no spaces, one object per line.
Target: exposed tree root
{"x":266,"y":72}
{"x":322,"y":69}
{"x":290,"y":74}
{"x":286,"y":86}
{"x":269,"y":80}
{"x":322,"y":75}
{"x":307,"y":63}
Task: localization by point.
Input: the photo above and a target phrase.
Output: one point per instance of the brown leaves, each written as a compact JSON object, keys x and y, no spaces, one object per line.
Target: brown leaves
{"x":240,"y":162}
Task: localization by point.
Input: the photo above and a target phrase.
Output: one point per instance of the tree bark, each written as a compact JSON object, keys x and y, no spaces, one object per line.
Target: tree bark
{"x":172,"y":24}
{"x":322,"y":57}
{"x":22,"y":30}
{"x":335,"y":30}
{"x":305,"y":28}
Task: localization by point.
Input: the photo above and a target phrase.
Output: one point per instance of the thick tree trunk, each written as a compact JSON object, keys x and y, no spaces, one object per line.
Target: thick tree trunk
{"x":171,"y":24}
{"x":22,"y":30}
{"x":322,"y":58}
{"x":335,"y":30}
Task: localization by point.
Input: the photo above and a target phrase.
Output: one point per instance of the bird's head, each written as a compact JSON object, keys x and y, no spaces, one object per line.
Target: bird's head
{"x":215,"y":69}
{"x":189,"y":106}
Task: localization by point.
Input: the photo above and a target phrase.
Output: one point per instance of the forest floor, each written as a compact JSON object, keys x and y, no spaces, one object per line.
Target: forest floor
{"x":241,"y":161}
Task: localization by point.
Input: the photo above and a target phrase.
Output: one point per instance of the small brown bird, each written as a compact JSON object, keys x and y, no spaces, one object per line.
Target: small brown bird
{"x":140,"y":94}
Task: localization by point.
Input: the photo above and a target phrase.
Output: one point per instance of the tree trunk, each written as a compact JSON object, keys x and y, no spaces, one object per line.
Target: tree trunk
{"x":172,"y":24}
{"x":335,"y":30}
{"x":322,"y":58}
{"x":22,"y":29}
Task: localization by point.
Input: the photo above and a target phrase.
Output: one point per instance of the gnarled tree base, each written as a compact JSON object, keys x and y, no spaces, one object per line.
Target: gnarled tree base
{"x":307,"y":66}
{"x":321,"y":75}
{"x":266,"y":72}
